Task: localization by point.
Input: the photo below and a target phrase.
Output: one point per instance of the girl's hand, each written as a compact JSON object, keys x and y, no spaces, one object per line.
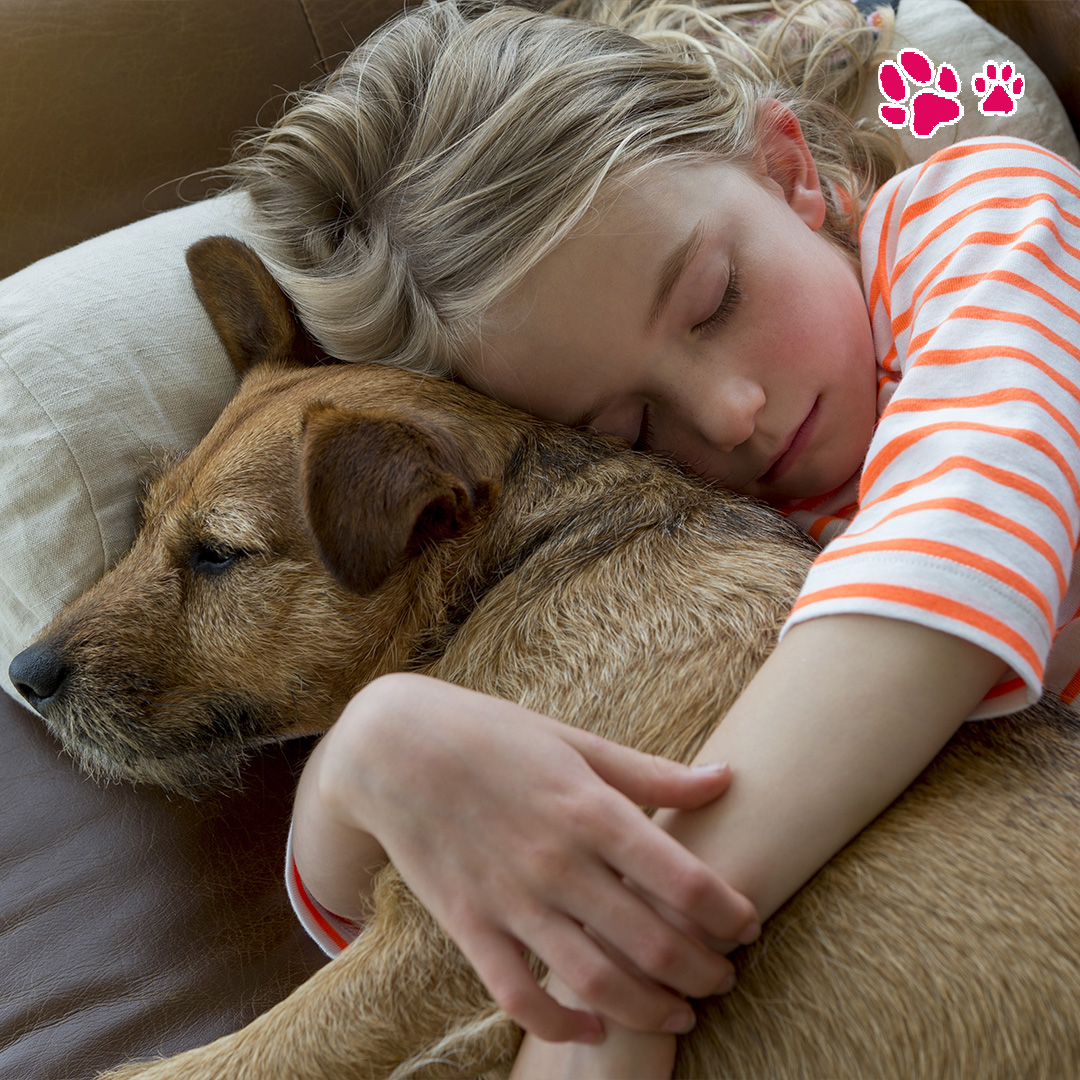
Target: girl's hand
{"x":520,"y":833}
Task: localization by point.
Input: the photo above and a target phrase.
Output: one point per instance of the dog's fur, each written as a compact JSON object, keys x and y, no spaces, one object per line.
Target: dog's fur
{"x":340,"y":522}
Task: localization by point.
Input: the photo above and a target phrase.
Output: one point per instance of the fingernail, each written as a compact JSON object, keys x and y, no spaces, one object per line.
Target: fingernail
{"x":712,"y":767}
{"x":750,"y":934}
{"x":680,"y":1023}
{"x":727,"y":983}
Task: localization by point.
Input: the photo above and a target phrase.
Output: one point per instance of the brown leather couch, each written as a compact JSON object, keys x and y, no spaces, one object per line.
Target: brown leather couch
{"x":132,"y":924}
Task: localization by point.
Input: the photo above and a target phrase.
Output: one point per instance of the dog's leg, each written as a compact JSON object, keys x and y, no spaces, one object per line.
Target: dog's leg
{"x":402,"y":987}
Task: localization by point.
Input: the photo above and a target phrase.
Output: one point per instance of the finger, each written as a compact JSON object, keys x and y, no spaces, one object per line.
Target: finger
{"x":503,"y":970}
{"x":652,"y":946}
{"x":661,"y":867}
{"x":609,"y":987}
{"x":647,"y":779}
{"x":727,"y":983}
{"x":721,"y":946}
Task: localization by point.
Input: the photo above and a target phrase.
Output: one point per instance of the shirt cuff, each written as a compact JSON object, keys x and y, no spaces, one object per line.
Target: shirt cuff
{"x":329,"y":931}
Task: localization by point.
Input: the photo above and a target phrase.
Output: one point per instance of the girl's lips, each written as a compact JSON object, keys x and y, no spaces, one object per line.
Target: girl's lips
{"x":794,"y":448}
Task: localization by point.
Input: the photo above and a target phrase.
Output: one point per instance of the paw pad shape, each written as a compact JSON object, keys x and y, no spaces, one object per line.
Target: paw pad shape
{"x":928,"y":109}
{"x":998,"y":89}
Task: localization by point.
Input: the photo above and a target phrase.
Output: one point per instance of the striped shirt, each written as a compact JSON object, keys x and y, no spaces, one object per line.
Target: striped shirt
{"x":966,"y":514}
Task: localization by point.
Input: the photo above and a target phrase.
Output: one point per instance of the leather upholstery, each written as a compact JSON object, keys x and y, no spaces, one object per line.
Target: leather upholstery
{"x":108,"y":105}
{"x":132,"y":924}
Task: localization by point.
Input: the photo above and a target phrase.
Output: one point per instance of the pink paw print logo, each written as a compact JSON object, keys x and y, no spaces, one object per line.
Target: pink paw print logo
{"x":998,"y":88}
{"x":928,"y":109}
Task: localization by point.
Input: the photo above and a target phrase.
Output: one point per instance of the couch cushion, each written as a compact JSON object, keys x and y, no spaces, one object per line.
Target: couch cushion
{"x":132,"y":924}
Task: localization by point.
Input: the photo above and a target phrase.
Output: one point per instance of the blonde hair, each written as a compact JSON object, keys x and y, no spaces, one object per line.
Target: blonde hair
{"x":461,"y":142}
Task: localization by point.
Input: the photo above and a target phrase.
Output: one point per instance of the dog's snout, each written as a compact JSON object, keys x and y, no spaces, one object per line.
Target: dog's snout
{"x":39,"y":673}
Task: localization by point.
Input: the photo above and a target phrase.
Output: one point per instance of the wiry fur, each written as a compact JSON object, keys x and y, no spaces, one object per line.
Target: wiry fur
{"x":606,"y":589}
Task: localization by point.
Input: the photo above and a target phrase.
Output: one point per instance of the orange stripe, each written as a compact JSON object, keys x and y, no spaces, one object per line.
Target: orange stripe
{"x":999,"y":239}
{"x":994,"y":397}
{"x":985,"y":314}
{"x":969,"y":148}
{"x":1007,"y":277}
{"x":989,"y":517}
{"x":1002,"y":477}
{"x":1040,"y":254}
{"x":1008,"y":687}
{"x":944,"y":357}
{"x":915,"y":210}
{"x":928,"y":601}
{"x":951,"y":552}
{"x":877,"y":290}
{"x":1014,"y":202}
{"x":819,"y":525}
{"x":884,"y":457}
{"x":315,"y":913}
{"x":1072,"y":688}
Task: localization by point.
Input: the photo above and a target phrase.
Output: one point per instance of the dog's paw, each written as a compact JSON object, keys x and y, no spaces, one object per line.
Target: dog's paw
{"x":929,"y":109}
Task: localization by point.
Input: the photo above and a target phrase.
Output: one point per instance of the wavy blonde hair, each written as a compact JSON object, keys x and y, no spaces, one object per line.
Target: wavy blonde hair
{"x":402,"y":197}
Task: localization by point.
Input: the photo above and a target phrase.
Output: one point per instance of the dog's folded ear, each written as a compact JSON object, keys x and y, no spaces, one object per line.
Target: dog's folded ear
{"x":250,"y":313}
{"x":376,"y":490}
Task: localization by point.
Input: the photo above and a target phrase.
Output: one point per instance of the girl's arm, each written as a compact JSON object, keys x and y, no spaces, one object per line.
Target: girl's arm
{"x":843,"y":716}
{"x":517,"y":832}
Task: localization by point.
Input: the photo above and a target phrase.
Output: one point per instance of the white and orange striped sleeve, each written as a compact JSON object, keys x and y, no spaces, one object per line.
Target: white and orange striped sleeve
{"x":969,"y":500}
{"x":329,"y":931}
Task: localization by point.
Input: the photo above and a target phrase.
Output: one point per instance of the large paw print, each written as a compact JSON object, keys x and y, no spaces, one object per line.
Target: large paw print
{"x":928,"y":109}
{"x":997,"y":95}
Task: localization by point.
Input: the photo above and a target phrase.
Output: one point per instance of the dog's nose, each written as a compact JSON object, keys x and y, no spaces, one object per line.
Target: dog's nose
{"x":39,"y":674}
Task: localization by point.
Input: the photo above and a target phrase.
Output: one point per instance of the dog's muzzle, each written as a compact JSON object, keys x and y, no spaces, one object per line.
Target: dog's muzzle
{"x":40,"y":674}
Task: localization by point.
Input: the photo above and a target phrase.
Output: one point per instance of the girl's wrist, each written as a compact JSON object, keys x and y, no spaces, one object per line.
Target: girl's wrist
{"x":359,"y":737}
{"x":336,"y":856}
{"x":623,"y":1053}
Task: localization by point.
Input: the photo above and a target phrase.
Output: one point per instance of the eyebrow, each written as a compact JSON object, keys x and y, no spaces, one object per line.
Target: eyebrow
{"x":672,"y":270}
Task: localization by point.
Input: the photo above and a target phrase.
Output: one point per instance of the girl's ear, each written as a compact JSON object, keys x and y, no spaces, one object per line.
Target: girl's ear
{"x":784,"y":157}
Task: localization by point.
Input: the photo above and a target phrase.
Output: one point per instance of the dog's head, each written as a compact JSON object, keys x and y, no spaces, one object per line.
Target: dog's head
{"x":297,"y":552}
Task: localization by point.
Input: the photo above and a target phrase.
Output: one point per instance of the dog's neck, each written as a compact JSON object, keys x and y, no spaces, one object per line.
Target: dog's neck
{"x":551,"y":507}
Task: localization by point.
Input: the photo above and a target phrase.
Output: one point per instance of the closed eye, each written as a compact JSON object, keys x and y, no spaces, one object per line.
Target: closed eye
{"x":209,"y":559}
{"x":728,"y":302}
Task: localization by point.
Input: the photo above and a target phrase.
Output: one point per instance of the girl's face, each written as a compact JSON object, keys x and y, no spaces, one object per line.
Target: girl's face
{"x":700,"y":314}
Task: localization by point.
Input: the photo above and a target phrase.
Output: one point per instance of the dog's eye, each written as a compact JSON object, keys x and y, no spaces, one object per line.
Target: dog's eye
{"x":207,"y":559}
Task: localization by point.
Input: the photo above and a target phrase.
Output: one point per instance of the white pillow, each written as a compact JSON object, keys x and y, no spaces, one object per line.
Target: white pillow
{"x":105,"y":355}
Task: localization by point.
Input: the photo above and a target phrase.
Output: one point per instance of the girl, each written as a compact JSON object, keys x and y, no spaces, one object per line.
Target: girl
{"x":653,"y":234}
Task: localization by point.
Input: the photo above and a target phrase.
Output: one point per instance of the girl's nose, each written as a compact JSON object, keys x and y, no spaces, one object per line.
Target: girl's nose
{"x":726,"y":417}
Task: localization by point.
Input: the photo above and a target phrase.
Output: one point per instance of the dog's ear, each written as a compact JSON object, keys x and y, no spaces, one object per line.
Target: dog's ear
{"x":376,"y":490}
{"x":250,"y":313}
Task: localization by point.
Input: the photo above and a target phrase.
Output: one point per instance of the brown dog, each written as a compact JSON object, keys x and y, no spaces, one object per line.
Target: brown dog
{"x":340,"y":522}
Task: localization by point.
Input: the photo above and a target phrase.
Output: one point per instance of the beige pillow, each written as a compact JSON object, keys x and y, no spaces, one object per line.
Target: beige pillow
{"x":105,"y":355}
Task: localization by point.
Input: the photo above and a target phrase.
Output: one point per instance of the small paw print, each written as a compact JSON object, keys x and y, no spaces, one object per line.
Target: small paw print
{"x":997,"y":94}
{"x":929,"y":109}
